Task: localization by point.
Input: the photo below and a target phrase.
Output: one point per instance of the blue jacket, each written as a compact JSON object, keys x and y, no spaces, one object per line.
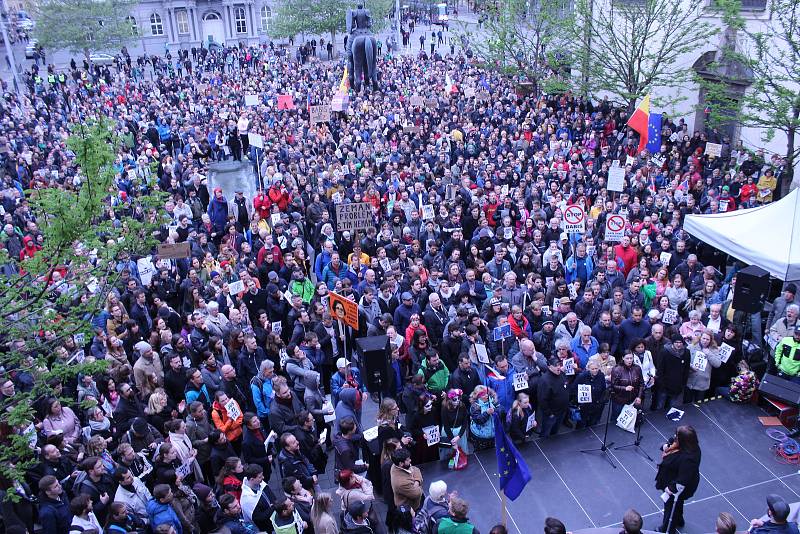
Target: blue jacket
{"x":580,"y":351}
{"x":322,"y":261}
{"x":54,"y":516}
{"x":218,"y":213}
{"x":160,"y":513}
{"x":330,"y":274}
{"x":571,"y":268}
{"x":338,"y":381}
{"x":262,"y":393}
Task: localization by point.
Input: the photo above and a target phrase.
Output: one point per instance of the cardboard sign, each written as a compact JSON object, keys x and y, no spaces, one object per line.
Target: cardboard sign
{"x":431,"y":103}
{"x":344,"y":310}
{"x":320,"y":114}
{"x":713,"y":149}
{"x":427,"y":212}
{"x":699,"y":361}
{"x":670,"y":316}
{"x":501,"y":332}
{"x":174,"y":251}
{"x":185,"y":469}
{"x":255,"y":140}
{"x":339,"y":102}
{"x":410,"y":128}
{"x":531,"y":422}
{"x":569,"y":366}
{"x":146,"y":270}
{"x":584,"y":393}
{"x":276,"y":327}
{"x":285,"y":102}
{"x":237,"y":287}
{"x":232,"y":407}
{"x":481,"y":354}
{"x":615,"y":227}
{"x":616,"y":179}
{"x":725,"y":352}
{"x":432,"y":436}
{"x":417,"y":101}
{"x":354,"y":216}
{"x":520,"y":381}
{"x":664,"y":258}
{"x":250,"y":100}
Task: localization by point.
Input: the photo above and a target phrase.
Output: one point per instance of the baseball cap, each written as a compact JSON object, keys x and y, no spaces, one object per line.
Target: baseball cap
{"x":357,"y":508}
{"x":342,"y":362}
{"x":407,"y":296}
{"x":778,"y":506}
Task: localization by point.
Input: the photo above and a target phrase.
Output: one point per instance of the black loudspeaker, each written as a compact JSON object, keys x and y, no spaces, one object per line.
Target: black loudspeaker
{"x":375,"y":359}
{"x":780,"y":389}
{"x":752,"y":286}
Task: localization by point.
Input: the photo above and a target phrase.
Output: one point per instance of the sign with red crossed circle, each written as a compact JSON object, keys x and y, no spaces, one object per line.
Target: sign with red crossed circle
{"x":574,"y":220}
{"x":615,"y":227}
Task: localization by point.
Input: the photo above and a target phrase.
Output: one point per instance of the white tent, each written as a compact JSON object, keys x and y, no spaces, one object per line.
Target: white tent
{"x":767,"y":236}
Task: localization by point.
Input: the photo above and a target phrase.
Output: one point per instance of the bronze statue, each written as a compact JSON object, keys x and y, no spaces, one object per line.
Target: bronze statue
{"x":361,"y":49}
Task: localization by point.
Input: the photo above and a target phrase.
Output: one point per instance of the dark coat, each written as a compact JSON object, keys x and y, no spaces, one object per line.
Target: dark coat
{"x":553,"y":395}
{"x":681,"y":467}
{"x":674,"y":369}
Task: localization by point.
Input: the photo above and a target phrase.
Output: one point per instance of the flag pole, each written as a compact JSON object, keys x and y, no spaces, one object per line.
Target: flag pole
{"x":503,"y":501}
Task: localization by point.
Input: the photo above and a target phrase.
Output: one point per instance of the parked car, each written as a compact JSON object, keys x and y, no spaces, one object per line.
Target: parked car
{"x":101,"y":59}
{"x":30,"y":49}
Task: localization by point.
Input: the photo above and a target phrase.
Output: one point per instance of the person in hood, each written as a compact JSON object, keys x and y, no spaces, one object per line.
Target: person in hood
{"x":29,"y":248}
{"x":349,"y":406}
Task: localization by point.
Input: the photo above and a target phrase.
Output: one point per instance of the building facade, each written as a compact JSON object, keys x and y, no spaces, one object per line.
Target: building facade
{"x":184,"y":24}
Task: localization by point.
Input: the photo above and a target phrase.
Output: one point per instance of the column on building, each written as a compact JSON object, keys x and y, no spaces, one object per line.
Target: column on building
{"x":193,"y":22}
{"x":171,"y":32}
{"x":253,"y":27}
{"x":228,"y":22}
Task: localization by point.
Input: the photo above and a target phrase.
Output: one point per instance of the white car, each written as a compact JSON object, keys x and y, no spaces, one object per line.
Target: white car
{"x":30,"y":49}
{"x":101,"y":59}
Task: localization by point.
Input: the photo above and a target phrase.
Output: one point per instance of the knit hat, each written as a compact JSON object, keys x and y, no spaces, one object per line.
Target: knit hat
{"x":791,"y":288}
{"x":142,"y":347}
{"x":202,"y":491}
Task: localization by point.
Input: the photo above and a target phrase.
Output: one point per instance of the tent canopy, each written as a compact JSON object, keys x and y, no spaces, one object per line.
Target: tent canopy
{"x":767,"y":236}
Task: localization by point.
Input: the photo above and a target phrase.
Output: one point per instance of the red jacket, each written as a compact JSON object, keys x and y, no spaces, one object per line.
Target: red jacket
{"x":628,"y":256}
{"x":262,"y":204}
{"x":281,"y":198}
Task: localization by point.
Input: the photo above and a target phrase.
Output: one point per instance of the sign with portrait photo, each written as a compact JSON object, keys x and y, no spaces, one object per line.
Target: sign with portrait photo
{"x":343,"y":309}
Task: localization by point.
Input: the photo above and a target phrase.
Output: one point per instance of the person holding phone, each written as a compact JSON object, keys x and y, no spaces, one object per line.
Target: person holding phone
{"x":678,"y":475}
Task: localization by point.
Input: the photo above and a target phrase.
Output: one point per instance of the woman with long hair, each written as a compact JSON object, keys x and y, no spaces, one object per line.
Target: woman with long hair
{"x":158,"y":411}
{"x":704,"y":357}
{"x":678,"y":475}
{"x":166,"y":459}
{"x":520,"y":425}
{"x":483,"y":404}
{"x":455,"y":423}
{"x":321,"y":518}
{"x":229,"y":479}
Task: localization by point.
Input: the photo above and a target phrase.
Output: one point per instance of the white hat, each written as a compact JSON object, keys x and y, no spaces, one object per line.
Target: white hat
{"x":341,"y":362}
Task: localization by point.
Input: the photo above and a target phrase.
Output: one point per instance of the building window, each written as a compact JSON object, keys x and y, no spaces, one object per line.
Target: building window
{"x":133,"y":26}
{"x":156,"y":26}
{"x":266,"y":18}
{"x":241,"y":20}
{"x":754,"y":5}
{"x":182,"y":20}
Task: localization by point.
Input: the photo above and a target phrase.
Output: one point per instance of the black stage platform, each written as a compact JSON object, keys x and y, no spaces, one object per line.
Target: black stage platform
{"x":582,"y":489}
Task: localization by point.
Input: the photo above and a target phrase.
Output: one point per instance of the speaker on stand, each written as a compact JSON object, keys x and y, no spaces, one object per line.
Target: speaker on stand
{"x":752,"y":287}
{"x":375,"y":358}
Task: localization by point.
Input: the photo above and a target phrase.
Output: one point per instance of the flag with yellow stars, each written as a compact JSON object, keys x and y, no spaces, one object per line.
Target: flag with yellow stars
{"x":513,"y":471}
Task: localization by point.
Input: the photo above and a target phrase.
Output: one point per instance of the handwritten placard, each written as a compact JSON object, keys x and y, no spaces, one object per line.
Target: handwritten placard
{"x":319,"y":114}
{"x":725,"y":352}
{"x":670,"y":316}
{"x":520,"y":381}
{"x":584,"y":393}
{"x":417,"y":101}
{"x":713,"y":149}
{"x":250,"y":100}
{"x":236,"y":287}
{"x":432,"y":436}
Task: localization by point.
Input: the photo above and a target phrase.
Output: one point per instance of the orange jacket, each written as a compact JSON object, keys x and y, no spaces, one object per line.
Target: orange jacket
{"x":232,"y":428}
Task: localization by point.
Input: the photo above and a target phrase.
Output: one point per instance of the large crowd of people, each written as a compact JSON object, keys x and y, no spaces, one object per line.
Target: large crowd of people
{"x":488,"y":305}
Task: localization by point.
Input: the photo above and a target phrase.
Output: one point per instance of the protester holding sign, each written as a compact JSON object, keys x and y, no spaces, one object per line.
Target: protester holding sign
{"x":589,"y":389}
{"x":705,"y":357}
{"x":627,"y":385}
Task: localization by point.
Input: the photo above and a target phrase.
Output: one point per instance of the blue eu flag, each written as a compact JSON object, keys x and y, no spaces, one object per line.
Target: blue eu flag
{"x":513,"y":470}
{"x":654,"y":133}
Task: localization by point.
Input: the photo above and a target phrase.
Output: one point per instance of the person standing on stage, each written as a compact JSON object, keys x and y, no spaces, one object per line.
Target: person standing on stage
{"x":678,"y":475}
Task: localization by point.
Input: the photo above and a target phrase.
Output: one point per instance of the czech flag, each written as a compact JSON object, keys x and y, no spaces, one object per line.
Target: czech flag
{"x":647,"y":125}
{"x":491,"y":372}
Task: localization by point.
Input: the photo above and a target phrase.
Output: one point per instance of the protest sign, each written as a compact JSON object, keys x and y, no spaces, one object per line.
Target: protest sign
{"x":319,"y":114}
{"x":481,"y":354}
{"x":664,"y":258}
{"x":725,"y":352}
{"x":174,"y":251}
{"x":531,"y":422}
{"x":339,"y":102}
{"x":670,"y":316}
{"x":584,"y":393}
{"x":501,"y":332}
{"x":251,"y":100}
{"x":343,"y":309}
{"x":146,"y":270}
{"x":616,"y":178}
{"x":574,"y":220}
{"x":255,"y":140}
{"x":569,"y":366}
{"x":520,"y":381}
{"x":469,"y":92}
{"x":615,"y":227}
{"x":417,"y":101}
{"x":699,"y":361}
{"x":185,"y":469}
{"x":431,"y":434}
{"x":277,"y":327}
{"x":713,"y":149}
{"x":285,"y":102}
{"x":354,"y":216}
{"x":232,"y":407}
{"x":427,"y":212}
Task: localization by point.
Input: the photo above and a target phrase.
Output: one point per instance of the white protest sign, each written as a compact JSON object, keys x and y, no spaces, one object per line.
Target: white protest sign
{"x":584,"y":393}
{"x":146,"y":270}
{"x":569,"y":366}
{"x":236,"y":287}
{"x":427,"y":212}
{"x":615,"y":227}
{"x":520,"y":381}
{"x":277,"y":327}
{"x":616,"y":178}
{"x":546,"y":310}
{"x":574,"y":220}
{"x":275,"y":218}
{"x":627,"y":418}
{"x":630,"y":160}
{"x":250,"y":100}
{"x":531,"y":423}
{"x":591,"y":250}
{"x":328,"y":417}
{"x":664,"y":258}
{"x":354,"y":216}
{"x":385,"y":264}
{"x":573,"y":291}
{"x":723,"y":205}
{"x":725,"y":352}
{"x":658,"y":160}
{"x":232,"y":407}
{"x":699,"y":361}
{"x":432,"y":436}
{"x":713,"y":149}
{"x":319,"y":114}
{"x":670,"y":316}
{"x":481,"y":354}
{"x":371,"y":433}
{"x":185,"y":469}
{"x":255,"y":140}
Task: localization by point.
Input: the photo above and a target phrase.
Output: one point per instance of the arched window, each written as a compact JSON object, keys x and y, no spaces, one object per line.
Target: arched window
{"x":156,"y":26}
{"x":133,"y":26}
{"x":266,"y":18}
{"x":241,"y":20}
{"x":182,"y":21}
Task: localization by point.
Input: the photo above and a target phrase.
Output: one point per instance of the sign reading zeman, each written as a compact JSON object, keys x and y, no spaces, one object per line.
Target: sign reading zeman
{"x":354,"y":216}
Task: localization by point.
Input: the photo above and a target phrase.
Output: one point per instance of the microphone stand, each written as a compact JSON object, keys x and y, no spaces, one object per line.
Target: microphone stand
{"x":636,"y":443}
{"x":605,"y":447}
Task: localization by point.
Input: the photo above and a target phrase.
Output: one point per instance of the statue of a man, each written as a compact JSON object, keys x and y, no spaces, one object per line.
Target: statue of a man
{"x":362,"y":21}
